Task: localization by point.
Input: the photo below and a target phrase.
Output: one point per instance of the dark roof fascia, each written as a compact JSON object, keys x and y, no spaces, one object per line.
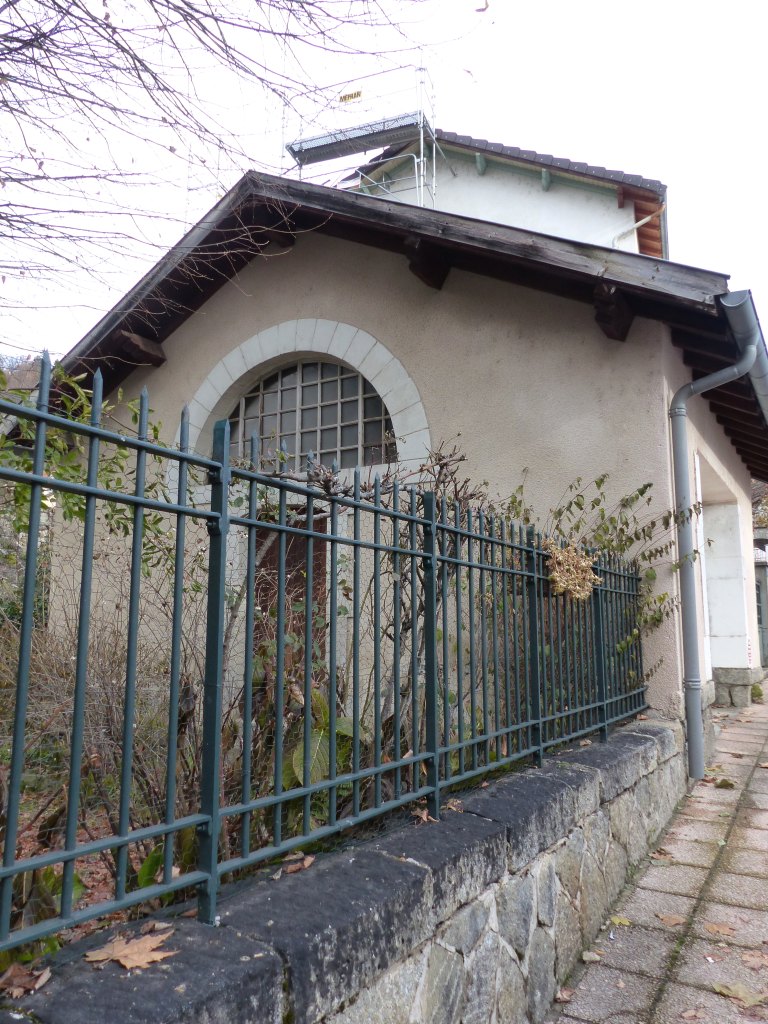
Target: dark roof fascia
{"x":264,"y":208}
{"x":235,"y":230}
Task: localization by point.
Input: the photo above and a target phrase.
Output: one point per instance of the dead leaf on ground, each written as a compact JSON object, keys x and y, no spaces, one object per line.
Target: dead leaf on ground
{"x":755,"y":959}
{"x":585,"y":743}
{"x":564,"y":995}
{"x":725,"y":784}
{"x":719,"y":929}
{"x":661,"y":854}
{"x":299,"y":865}
{"x":671,"y":920}
{"x":741,"y":994}
{"x":484,"y":785}
{"x":692,"y":1015}
{"x":621,"y":984}
{"x":454,"y":805}
{"x":296,"y":855}
{"x":422,"y":814}
{"x":616,"y":919}
{"x":133,"y":954}
{"x":737,"y":756}
{"x":19,"y":980}
{"x":642,"y":718}
{"x":591,"y":958}
{"x":763,"y":764}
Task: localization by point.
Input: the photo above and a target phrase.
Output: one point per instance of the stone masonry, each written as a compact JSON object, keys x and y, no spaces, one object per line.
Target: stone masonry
{"x":476,"y":919}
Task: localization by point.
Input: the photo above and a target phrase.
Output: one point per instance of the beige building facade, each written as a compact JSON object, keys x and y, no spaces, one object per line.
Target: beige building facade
{"x":548,"y":360}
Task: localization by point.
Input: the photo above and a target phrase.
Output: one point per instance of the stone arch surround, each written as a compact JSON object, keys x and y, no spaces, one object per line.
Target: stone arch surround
{"x":323,"y":338}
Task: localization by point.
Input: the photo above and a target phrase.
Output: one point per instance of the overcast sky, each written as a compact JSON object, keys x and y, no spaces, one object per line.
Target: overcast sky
{"x":670,"y":90}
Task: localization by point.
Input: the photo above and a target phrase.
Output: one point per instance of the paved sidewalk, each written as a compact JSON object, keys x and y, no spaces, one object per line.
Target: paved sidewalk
{"x":695,"y":919}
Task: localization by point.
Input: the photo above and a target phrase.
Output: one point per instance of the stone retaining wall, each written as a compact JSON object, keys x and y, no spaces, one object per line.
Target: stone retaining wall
{"x":473,"y":920}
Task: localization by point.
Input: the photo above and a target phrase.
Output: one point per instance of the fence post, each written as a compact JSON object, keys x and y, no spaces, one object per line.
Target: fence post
{"x":534,"y":644}
{"x":599,"y":642}
{"x":208,"y":834}
{"x":431,"y":713}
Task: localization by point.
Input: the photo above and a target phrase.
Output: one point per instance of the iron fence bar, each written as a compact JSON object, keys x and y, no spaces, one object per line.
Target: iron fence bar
{"x":332,"y":666}
{"x":446,"y":651}
{"x":471,"y":630}
{"x":431,"y":704}
{"x":145,"y":503}
{"x":356,"y":648}
{"x":112,"y":842}
{"x":81,"y":656}
{"x":459,"y":638}
{"x":218,"y":531}
{"x":56,"y":419}
{"x":279,"y":701}
{"x":174,"y":691}
{"x":533,"y":643}
{"x":25,"y":652}
{"x":598,"y":627}
{"x":377,"y":638}
{"x":250,"y":639}
{"x":309,"y":611}
{"x":495,"y":632}
{"x":129,"y":701}
{"x":396,"y":644}
{"x":505,"y":632}
{"x":415,"y":693}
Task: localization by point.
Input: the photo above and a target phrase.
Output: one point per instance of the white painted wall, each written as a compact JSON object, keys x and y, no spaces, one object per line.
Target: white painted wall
{"x":506,"y":194}
{"x":726,"y":587}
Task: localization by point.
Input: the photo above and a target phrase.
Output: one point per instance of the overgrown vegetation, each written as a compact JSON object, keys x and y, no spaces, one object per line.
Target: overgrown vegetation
{"x":351,"y":646}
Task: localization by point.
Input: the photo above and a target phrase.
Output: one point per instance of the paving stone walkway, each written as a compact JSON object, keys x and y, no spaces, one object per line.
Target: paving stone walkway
{"x":695,"y":918}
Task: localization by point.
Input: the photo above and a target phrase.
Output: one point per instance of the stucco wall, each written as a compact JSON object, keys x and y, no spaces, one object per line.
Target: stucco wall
{"x":503,"y":194}
{"x":527,"y":381}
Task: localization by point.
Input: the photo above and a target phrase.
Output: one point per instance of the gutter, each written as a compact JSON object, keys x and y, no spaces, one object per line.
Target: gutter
{"x":739,"y":310}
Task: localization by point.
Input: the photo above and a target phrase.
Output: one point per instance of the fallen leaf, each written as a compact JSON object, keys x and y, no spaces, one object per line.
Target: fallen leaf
{"x":590,"y":958}
{"x":671,"y":920}
{"x":296,"y":855}
{"x":620,"y":984}
{"x":755,"y":959}
{"x":454,"y":805}
{"x":277,"y":875}
{"x":422,"y":814}
{"x":484,"y":785}
{"x":692,"y":1015}
{"x":725,"y":784}
{"x":741,"y":994}
{"x":642,"y":718}
{"x":585,"y":743}
{"x":738,"y":756}
{"x":621,"y":920}
{"x":133,"y":954}
{"x":564,"y":995}
{"x":661,"y":854}
{"x":763,"y":764}
{"x":719,"y":929}
{"x":20,"y":979}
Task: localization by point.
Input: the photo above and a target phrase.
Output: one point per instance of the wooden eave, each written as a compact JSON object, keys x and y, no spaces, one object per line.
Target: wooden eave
{"x":735,"y":405}
{"x":263,"y":215}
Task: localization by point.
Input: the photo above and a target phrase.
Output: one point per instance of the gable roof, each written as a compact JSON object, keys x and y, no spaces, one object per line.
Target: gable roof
{"x":263,"y":213}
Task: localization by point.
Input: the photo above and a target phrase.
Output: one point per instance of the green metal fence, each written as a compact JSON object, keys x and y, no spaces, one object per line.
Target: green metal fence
{"x":233,"y":664}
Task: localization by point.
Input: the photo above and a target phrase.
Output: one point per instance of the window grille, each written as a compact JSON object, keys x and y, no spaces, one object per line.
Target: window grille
{"x":319,"y":407}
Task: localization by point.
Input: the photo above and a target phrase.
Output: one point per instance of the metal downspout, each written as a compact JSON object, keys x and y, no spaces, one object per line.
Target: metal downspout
{"x":740,"y":313}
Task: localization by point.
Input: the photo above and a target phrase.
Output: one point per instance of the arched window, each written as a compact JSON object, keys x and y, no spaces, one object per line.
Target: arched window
{"x":319,"y":407}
